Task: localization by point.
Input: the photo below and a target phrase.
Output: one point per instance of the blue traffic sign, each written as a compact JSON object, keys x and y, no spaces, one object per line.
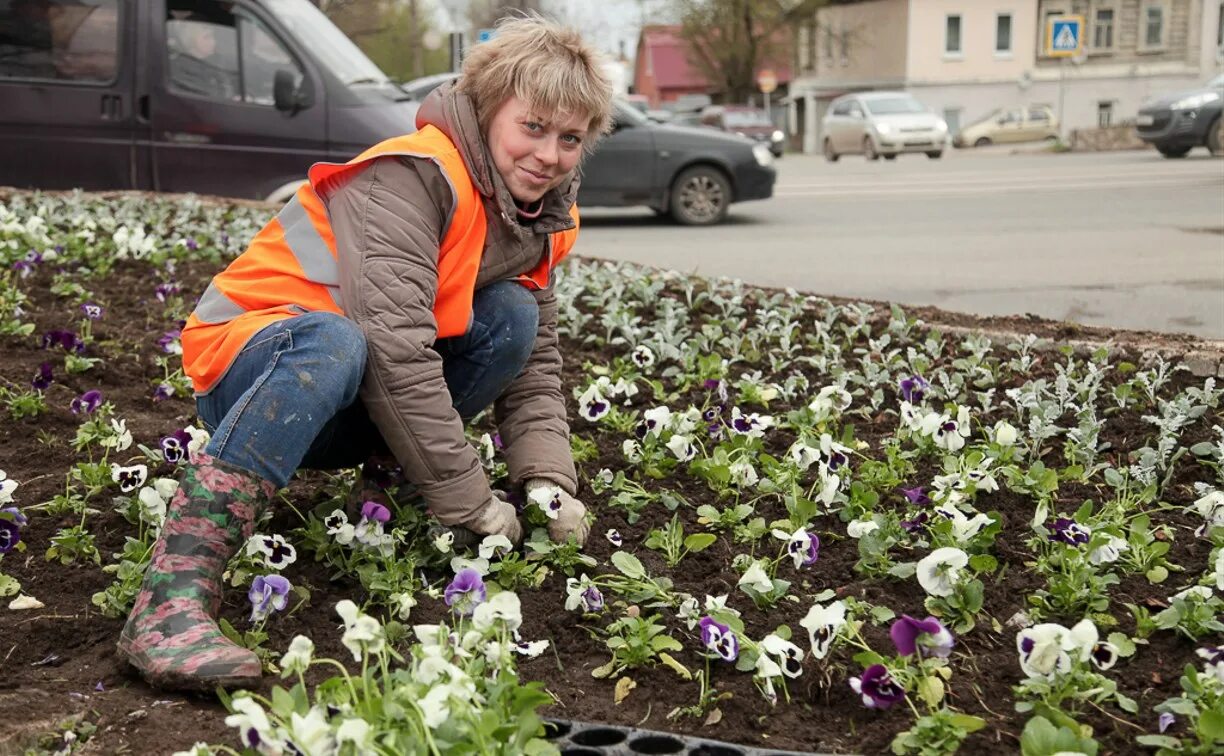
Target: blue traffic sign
{"x":1065,"y":36}
{"x":484,"y":35}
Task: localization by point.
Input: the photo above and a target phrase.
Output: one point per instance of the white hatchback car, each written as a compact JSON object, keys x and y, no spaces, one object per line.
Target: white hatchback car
{"x":882,"y":123}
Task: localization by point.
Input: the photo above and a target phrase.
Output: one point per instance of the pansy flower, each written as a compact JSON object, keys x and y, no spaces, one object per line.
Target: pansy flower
{"x":369,"y":530}
{"x":835,"y":455}
{"x":169,"y":342}
{"x":592,"y":405}
{"x":1070,"y":532}
{"x":1108,"y":552}
{"x":66,"y":340}
{"x":877,"y":687}
{"x":1044,"y":648}
{"x":790,"y":656}
{"x":338,"y":527}
{"x":802,"y":455}
{"x":1213,"y":661}
{"x":939,"y":572}
{"x":276,"y":551}
{"x":163,"y":392}
{"x":719,"y":639}
{"x":642,"y":356}
{"x":823,"y":624}
{"x":363,"y":634}
{"x":268,"y":593}
{"x":656,"y":420}
{"x":1209,"y":506}
{"x":916,"y":524}
{"x":1085,"y":638}
{"x":913,"y":389}
{"x":92,"y":310}
{"x":43,"y":378}
{"x":86,"y":403}
{"x":254,"y":729}
{"x":7,"y":487}
{"x":910,"y":634}
{"x":829,"y":403}
{"x":174,"y":446}
{"x":947,"y":433}
{"x":165,"y":290}
{"x":752,"y":424}
{"x":129,"y":478}
{"x":614,"y":537}
{"x":465,"y":592}
{"x":802,"y":547}
{"x":583,"y":593}
{"x":682,"y":447}
{"x":10,"y":534}
{"x":547,"y":498}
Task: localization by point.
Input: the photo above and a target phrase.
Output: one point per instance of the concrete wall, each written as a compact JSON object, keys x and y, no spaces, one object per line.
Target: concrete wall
{"x":1211,"y":48}
{"x":860,"y":44}
{"x":978,"y":62}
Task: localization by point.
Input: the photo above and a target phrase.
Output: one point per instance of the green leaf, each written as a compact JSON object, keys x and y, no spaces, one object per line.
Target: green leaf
{"x":604,"y":671}
{"x":1203,"y":449}
{"x":882,"y":614}
{"x":1159,"y":741}
{"x":931,"y":690}
{"x":699,"y":541}
{"x":629,"y":565}
{"x":1211,"y":726}
{"x":670,"y":662}
{"x":665,"y":643}
{"x":1157,"y":574}
{"x":8,"y":585}
{"x":1125,"y":646}
{"x":967,"y":722}
{"x":983,"y":563}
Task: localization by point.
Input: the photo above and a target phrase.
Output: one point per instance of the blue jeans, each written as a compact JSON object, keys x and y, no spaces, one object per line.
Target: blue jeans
{"x":289,"y":400}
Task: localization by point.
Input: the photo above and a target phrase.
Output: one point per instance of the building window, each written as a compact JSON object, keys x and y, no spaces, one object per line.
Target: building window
{"x":1003,"y":34}
{"x":828,"y":45}
{"x":1043,"y":32}
{"x":952,"y":35}
{"x":1152,"y":31}
{"x":1103,"y":29}
{"x":43,"y":39}
{"x":1105,"y":109}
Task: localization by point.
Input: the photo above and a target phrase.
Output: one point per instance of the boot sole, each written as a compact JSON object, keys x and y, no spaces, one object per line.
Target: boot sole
{"x":178,"y":681}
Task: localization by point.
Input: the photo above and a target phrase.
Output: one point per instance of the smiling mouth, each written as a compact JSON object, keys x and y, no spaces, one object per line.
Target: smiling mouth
{"x":538,"y":177}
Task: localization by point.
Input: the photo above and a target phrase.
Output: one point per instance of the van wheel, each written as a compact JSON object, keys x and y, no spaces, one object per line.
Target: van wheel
{"x":1215,"y":137}
{"x":700,"y":196}
{"x":935,"y":154}
{"x":1174,"y":152}
{"x":869,"y":150}
{"x":982,"y":142}
{"x":830,"y":153}
{"x":891,"y":157}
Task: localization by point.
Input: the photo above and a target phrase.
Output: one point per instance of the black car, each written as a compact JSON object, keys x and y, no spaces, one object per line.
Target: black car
{"x":1179,"y":122}
{"x":690,"y":173}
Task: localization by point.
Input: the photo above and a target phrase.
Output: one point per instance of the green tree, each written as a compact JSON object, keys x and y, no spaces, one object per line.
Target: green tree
{"x":392,"y":34}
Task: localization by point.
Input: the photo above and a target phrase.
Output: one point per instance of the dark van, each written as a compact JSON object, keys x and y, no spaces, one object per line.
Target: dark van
{"x":230,"y":98}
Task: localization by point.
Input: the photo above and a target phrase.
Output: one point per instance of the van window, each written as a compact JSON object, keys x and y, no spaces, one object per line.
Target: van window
{"x":842,"y":108}
{"x":221,"y":54}
{"x":63,"y":41}
{"x":1038,"y":114}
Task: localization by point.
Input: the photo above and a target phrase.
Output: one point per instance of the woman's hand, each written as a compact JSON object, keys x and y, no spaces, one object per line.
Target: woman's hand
{"x":571,"y":517}
{"x":498,"y":518}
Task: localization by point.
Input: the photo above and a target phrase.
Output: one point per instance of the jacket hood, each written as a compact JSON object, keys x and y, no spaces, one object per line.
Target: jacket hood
{"x":454,"y":114}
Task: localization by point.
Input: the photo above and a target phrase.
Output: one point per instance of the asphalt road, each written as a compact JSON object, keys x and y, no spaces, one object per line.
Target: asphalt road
{"x":1123,"y":239}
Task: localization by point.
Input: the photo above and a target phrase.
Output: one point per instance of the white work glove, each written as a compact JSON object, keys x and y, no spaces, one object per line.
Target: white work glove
{"x":498,"y":517}
{"x":567,"y":515}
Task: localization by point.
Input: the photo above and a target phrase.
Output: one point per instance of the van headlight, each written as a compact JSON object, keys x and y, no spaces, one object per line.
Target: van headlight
{"x":1195,"y":101}
{"x":777,"y":136}
{"x":883,"y":128}
{"x":762,"y":154}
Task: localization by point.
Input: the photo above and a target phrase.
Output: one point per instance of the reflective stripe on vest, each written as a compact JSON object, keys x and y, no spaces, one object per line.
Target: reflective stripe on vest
{"x":291,"y":265}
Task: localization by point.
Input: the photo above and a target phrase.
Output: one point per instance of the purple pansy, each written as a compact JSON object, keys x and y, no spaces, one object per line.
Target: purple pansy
{"x":497,"y":441}
{"x":166,"y":290}
{"x":597,"y":408}
{"x":167,"y":341}
{"x":1070,"y":532}
{"x":86,"y":403}
{"x":174,"y":446}
{"x":92,"y":310}
{"x":916,"y":495}
{"x":1166,"y":721}
{"x":917,"y":524}
{"x":876,"y":686}
{"x":372,"y":510}
{"x":592,"y":600}
{"x":163,"y":392}
{"x":43,"y":378}
{"x":466,"y":591}
{"x":804,"y":548}
{"x":913,"y":389}
{"x":268,"y":593}
{"x":719,"y":639}
{"x":66,"y":340}
{"x":192,"y":244}
{"x":910,"y":635}
{"x":10,"y":534}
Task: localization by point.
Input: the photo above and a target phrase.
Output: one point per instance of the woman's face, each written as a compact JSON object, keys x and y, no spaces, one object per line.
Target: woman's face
{"x":534,"y":152}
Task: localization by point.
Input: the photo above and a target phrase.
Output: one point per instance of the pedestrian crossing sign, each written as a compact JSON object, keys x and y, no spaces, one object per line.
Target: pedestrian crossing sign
{"x":1064,"y":36}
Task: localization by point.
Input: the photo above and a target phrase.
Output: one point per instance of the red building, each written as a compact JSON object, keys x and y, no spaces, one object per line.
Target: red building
{"x":663,"y":73}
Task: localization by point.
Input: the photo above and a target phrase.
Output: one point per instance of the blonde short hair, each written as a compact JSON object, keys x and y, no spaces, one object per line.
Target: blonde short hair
{"x":546,"y":65}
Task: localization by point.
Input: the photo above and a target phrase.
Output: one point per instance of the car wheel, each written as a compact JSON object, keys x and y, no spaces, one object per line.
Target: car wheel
{"x":890,"y":157}
{"x":935,"y":154}
{"x":700,"y":196}
{"x":829,"y":153}
{"x":982,"y":142}
{"x":1215,"y":137}
{"x":1173,"y":152}
{"x":869,"y":150}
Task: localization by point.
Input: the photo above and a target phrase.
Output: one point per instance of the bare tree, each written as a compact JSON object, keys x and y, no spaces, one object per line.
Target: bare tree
{"x":728,"y":40}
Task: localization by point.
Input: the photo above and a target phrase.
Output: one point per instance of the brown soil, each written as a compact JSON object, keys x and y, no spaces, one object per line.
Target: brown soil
{"x":59,"y":661}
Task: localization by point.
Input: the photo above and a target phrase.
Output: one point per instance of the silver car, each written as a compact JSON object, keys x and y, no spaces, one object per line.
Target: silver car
{"x":882,"y":123}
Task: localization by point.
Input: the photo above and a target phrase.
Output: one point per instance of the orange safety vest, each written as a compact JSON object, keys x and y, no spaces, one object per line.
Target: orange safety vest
{"x":291,"y":265}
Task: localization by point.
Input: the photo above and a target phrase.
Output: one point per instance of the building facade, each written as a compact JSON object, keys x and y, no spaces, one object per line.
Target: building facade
{"x":966,"y":58}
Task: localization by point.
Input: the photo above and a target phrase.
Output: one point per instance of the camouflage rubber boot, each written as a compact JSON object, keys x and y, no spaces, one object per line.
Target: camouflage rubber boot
{"x":171,"y":636}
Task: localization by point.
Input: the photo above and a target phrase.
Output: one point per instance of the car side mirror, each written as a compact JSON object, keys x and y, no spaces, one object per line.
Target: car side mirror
{"x":287,"y":96}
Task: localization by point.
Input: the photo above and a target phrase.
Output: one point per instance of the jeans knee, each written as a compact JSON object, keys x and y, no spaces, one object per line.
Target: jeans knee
{"x":340,"y":350}
{"x":513,"y":314}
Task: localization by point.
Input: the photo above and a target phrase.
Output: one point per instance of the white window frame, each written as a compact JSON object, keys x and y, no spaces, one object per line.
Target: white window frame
{"x":1165,"y":19}
{"x":1011,"y":34}
{"x":1113,"y":28}
{"x":959,"y":52}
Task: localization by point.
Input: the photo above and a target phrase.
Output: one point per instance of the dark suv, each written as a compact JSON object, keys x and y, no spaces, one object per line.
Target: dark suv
{"x":1177,"y":123}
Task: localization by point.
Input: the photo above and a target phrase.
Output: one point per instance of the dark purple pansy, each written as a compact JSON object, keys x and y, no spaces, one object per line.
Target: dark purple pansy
{"x":712,"y":414}
{"x":910,"y":634}
{"x":1070,"y":532}
{"x":876,"y":686}
{"x":806,"y":549}
{"x":916,"y":495}
{"x":497,"y":441}
{"x":917,"y":524}
{"x":592,"y":600}
{"x":192,"y":244}
{"x":166,"y":341}
{"x":43,"y":378}
{"x":10,"y":535}
{"x":719,"y":639}
{"x":92,"y":310}
{"x":913,"y":389}
{"x":174,"y":446}
{"x":372,"y":510}
{"x":166,"y":290}
{"x":466,"y":591}
{"x":66,"y":340}
{"x":163,"y":392}
{"x":86,"y":403}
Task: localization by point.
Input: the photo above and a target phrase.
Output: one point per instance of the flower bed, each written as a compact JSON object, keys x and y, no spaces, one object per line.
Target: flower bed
{"x":819,"y":527}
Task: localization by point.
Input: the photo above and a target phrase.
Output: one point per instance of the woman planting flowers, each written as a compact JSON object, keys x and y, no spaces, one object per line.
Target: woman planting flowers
{"x":393,"y":298}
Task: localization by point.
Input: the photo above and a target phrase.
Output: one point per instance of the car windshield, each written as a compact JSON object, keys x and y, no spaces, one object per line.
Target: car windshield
{"x":740,"y":119}
{"x":894,"y":106}
{"x":627,"y":114}
{"x":319,"y":35}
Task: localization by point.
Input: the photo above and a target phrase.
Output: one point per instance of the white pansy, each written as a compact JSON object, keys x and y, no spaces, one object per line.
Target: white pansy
{"x":632,"y":450}
{"x":362,"y":633}
{"x":299,"y":655}
{"x":823,"y":624}
{"x":1108,"y":553}
{"x":965,"y":528}
{"x":657,"y":420}
{"x":154,"y":499}
{"x":120,"y":438}
{"x":1219,"y":570}
{"x":743,"y":474}
{"x":790,"y":656}
{"x":829,"y":403}
{"x":940,"y":571}
{"x":403,"y":603}
{"x":459,"y":564}
{"x":682,"y":447}
{"x":829,"y":486}
{"x":911,"y":417}
{"x":252,"y":723}
{"x":1005,"y":434}
{"x":7,"y":487}
{"x":503,"y":607}
{"x":756,"y":578}
{"x":531,"y":649}
{"x":802,"y":455}
{"x":199,"y":440}
{"x":444,"y":541}
{"x":311,"y":734}
{"x":592,"y":405}
{"x":495,"y":545}
{"x":860,"y":528}
{"x":1044,"y":648}
{"x":1194,"y":592}
{"x":357,"y":732}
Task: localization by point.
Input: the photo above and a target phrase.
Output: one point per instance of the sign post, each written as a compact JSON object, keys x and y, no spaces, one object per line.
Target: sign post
{"x":1064,"y":39}
{"x":767,"y":81}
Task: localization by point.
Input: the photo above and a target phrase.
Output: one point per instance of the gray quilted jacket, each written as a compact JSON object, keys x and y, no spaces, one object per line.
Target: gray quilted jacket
{"x":389,"y":221}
